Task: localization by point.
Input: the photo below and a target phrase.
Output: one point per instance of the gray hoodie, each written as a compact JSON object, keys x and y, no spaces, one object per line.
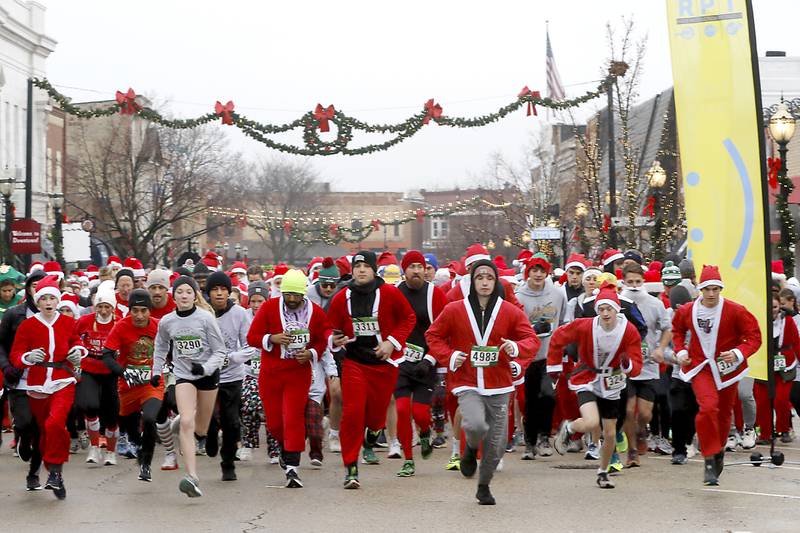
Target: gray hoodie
{"x":548,"y":303}
{"x":194,"y":339}
{"x":234,"y":324}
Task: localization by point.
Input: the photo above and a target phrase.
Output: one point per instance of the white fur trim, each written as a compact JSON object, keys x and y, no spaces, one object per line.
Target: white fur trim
{"x":453,"y":361}
{"x":395,"y":343}
{"x":266,"y":343}
{"x":577,"y":264}
{"x":554,"y":369}
{"x":711,"y":282}
{"x":429,"y":358}
{"x":612,"y":303}
{"x":477,"y":257}
{"x":616,"y":257}
{"x":739,"y":355}
{"x":47,"y":290}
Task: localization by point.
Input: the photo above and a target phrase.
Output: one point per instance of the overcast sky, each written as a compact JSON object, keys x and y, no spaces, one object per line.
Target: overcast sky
{"x":374,"y":60}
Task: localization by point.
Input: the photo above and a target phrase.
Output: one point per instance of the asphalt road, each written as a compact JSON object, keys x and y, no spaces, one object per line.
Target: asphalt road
{"x":550,"y":494}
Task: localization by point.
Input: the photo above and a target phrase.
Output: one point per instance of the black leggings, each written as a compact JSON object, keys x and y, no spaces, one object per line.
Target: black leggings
{"x":146,"y":439}
{"x":25,"y":427}
{"x":684,"y":409}
{"x":227,"y":413}
{"x":540,"y":400}
{"x":662,"y":412}
{"x":97,"y":396}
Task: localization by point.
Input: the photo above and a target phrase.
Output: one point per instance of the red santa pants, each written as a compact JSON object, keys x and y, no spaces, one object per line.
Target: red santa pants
{"x":284,"y":394}
{"x":713,"y":420}
{"x":783,"y":408}
{"x":366,"y":393}
{"x":51,"y":414}
{"x":406,"y":410}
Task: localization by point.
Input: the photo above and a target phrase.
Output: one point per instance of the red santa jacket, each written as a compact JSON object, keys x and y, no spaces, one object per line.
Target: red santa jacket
{"x":461,"y":289}
{"x":121,"y":310}
{"x":395,"y":317}
{"x":456,"y":330}
{"x":270,"y":320}
{"x":788,"y":341}
{"x":581,"y":331}
{"x":56,"y":340}
{"x":734,"y":328}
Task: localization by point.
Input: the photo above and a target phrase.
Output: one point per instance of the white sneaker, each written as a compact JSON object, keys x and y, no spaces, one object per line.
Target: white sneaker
{"x":415,"y":439}
{"x":730,"y":444}
{"x":691,"y":451}
{"x":110,"y":459}
{"x":543,"y":447}
{"x":749,"y":438}
{"x":93,"y":456}
{"x":334,"y":445}
{"x":170,"y":461}
{"x":395,"y":452}
{"x":663,"y":446}
{"x":244,"y":454}
{"x":575,"y":446}
{"x":274,"y":460}
{"x":175,"y":425}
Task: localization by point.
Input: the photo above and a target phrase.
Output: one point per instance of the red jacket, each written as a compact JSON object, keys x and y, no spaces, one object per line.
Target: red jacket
{"x":585,"y":376}
{"x":56,"y":340}
{"x":735,"y":328}
{"x":456,"y":330}
{"x":93,"y":336}
{"x":269,"y":321}
{"x":788,"y":343}
{"x":396,"y":319}
{"x":461,"y":288}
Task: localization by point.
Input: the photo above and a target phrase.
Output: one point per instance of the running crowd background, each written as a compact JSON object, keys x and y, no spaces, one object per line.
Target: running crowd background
{"x":613,"y":359}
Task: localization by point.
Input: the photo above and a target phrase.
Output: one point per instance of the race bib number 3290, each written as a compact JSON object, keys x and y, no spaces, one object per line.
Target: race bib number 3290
{"x":188,"y":347}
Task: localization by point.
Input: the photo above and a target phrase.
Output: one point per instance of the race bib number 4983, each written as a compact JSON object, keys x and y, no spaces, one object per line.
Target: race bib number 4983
{"x":483,"y":356}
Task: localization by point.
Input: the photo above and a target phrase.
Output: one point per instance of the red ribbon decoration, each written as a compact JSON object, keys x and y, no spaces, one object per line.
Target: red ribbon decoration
{"x":606,"y":223}
{"x":650,"y":209}
{"x":774,"y":165}
{"x":420,"y":215}
{"x":323,"y":115}
{"x":243,"y":221}
{"x":376,"y":225}
{"x":333,"y":228}
{"x":531,"y":105}
{"x":225,"y":111}
{"x":127,"y":102}
{"x":432,"y":111}
{"x":287,"y":226}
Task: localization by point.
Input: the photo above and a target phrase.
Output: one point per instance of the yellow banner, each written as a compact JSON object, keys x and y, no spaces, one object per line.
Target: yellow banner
{"x":717,"y":117}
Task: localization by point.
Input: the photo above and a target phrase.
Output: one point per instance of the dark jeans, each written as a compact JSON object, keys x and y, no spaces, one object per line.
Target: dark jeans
{"x":684,"y":410}
{"x":540,"y":400}
{"x":229,"y":405}
{"x":662,"y":411}
{"x":25,"y":427}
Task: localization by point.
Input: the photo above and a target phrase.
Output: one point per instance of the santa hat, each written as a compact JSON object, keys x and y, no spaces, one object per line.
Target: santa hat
{"x":411,"y":257}
{"x":239,"y":268}
{"x":387,"y":258}
{"x":474,"y":253}
{"x":114,"y":261}
{"x":652,"y":281}
{"x":709,"y":277}
{"x":135,"y":266}
{"x":456,"y":268}
{"x":577,"y":261}
{"x":314,"y":263}
{"x":69,"y":301}
{"x":607,"y":296}
{"x":522,"y":258}
{"x":47,"y":285}
{"x":777,"y":271}
{"x":591,"y":270}
{"x":280,"y":270}
{"x":211,"y":260}
{"x":52,"y":268}
{"x":500,"y":262}
{"x":655,"y":265}
{"x":539,"y":260}
{"x":343,"y":264}
{"x":92,"y":271}
{"x":36,"y":265}
{"x":610,"y":255}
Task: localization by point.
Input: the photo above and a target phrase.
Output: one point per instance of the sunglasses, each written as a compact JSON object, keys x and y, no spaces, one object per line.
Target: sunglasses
{"x":325,"y":285}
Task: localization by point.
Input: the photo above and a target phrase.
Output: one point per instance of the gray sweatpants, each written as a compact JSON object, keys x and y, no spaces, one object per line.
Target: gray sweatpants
{"x":748,"y":403}
{"x":484,"y":420}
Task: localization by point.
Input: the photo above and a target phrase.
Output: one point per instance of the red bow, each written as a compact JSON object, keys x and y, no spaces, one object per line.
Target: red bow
{"x":650,"y":209}
{"x":127,"y":102}
{"x":531,"y":105}
{"x":420,"y":215}
{"x":333,"y":228}
{"x":225,"y":111}
{"x":287,"y":226}
{"x":432,"y":111}
{"x":243,"y":221}
{"x":323,"y":115}
{"x":606,"y":223}
{"x":774,"y":165}
{"x":376,"y":225}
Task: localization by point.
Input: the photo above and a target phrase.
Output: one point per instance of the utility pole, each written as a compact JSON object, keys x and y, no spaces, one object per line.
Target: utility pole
{"x":29,"y":165}
{"x":612,"y":163}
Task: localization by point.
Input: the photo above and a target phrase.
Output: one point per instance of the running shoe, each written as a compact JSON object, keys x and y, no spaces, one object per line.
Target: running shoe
{"x":74,"y":446}
{"x":32,"y":483}
{"x":351,"y":477}
{"x":212,"y":444}
{"x":749,"y":438}
{"x":334,"y":444}
{"x":510,"y":446}
{"x":293,"y":481}
{"x":484,"y":496}
{"x":663,"y":446}
{"x":691,"y":451}
{"x":543,"y":447}
{"x":380,"y":439}
{"x":190,"y":486}
{"x":469,"y":463}
{"x":615,"y":465}
{"x":55,"y":482}
{"x":316,"y":461}
{"x":426,"y":448}
{"x":274,"y":459}
{"x":575,"y":446}
{"x":730,"y":444}
{"x":679,"y":459}
{"x":561,"y":440}
{"x":395,"y":451}
{"x":633,"y":458}
{"x":439,"y":441}
{"x":94,"y":455}
{"x":710,"y":478}
{"x":110,"y":459}
{"x":170,"y":461}
{"x":244,"y":453}
{"x":603,"y":481}
{"x":83,"y":439}
{"x":200,"y":446}
{"x":454,"y":464}
{"x":368,"y":457}
{"x":407,"y":470}
{"x":144,"y":473}
{"x":622,"y":442}
{"x":592,"y":452}
{"x":786,"y":438}
{"x":646,"y":442}
{"x":528,"y":454}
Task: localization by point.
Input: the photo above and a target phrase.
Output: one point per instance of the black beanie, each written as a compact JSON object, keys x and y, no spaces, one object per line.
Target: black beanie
{"x":122,"y":273}
{"x":366,"y":256}
{"x":218,"y":279}
{"x":257,"y":287}
{"x":140,"y":298}
{"x":200,"y":271}
{"x":185,"y":280}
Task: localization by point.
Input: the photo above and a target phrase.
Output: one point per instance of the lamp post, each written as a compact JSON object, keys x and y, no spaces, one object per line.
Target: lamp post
{"x":238,"y":249}
{"x":781,"y":128}
{"x":7,"y":184}
{"x":58,"y":236}
{"x":167,"y":239}
{"x":656,"y":178}
{"x":246,"y":251}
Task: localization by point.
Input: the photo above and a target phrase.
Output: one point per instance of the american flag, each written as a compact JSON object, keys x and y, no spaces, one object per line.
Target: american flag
{"x":555,"y":89}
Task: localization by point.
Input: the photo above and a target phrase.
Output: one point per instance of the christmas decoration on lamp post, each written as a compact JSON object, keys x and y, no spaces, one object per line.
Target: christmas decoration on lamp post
{"x":781,"y":128}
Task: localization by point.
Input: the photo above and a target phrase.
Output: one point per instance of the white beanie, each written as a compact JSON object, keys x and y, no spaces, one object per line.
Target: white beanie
{"x":105,"y":297}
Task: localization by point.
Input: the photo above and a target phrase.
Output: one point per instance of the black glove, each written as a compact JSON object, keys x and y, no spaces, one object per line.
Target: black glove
{"x":12,"y":375}
{"x":197,"y":369}
{"x":572,"y":351}
{"x":423,"y":369}
{"x":155,"y":380}
{"x":542,"y":326}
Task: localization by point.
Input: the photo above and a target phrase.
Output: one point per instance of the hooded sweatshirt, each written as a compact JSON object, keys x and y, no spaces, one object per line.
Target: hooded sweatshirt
{"x":658,"y":320}
{"x":234,"y":323}
{"x":194,"y":337}
{"x":547,"y":303}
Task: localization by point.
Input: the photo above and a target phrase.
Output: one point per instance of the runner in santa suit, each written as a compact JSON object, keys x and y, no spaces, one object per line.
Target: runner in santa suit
{"x":48,"y":348}
{"x":417,"y":374}
{"x":723,"y":335}
{"x":479,"y":339}
{"x":128,"y":353}
{"x":609,"y":349}
{"x":291,"y":331}
{"x":96,"y":394}
{"x":461,"y":288}
{"x":124,"y":284}
{"x":371,"y":321}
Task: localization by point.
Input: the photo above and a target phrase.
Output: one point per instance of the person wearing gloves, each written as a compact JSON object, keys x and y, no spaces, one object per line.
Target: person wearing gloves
{"x":479,"y":339}
{"x":48,"y":348}
{"x":128,"y":354}
{"x":198,"y":352}
{"x":234,"y":323}
{"x":292,"y":333}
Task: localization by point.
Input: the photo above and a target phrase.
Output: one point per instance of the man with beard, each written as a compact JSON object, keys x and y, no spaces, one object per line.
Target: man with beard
{"x":158,"y":287}
{"x":417,"y":376}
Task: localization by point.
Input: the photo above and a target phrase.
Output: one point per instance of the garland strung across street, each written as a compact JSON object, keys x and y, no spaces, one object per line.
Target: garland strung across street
{"x":331,"y":228}
{"x":320,"y":119}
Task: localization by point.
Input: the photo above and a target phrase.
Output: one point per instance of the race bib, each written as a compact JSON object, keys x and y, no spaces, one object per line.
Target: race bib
{"x":188,"y":347}
{"x":646,"y":358}
{"x":725,"y":368}
{"x":366,"y":327}
{"x":483,"y":356}
{"x":299,"y":339}
{"x":143,"y":373}
{"x":779,"y":364}
{"x":614,"y":381}
{"x":414,"y":353}
{"x":226,"y":361}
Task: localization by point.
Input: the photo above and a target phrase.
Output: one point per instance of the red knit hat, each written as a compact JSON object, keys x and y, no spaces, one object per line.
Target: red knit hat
{"x":611,"y":255}
{"x":411,"y":257}
{"x":47,"y":285}
{"x":474,"y":253}
{"x":577,"y":261}
{"x":387,"y":258}
{"x":607,"y":296}
{"x":710,"y":277}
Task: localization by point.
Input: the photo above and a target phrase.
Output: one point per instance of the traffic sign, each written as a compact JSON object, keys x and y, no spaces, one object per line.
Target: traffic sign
{"x":546,"y":233}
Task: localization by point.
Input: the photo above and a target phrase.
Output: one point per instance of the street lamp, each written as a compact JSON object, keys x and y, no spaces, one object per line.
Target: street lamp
{"x":581,"y":210}
{"x":238,"y":249}
{"x":58,"y":236}
{"x":246,"y":250}
{"x":781,"y":128}
{"x":7,"y":185}
{"x":656,"y":175}
{"x":167,"y":239}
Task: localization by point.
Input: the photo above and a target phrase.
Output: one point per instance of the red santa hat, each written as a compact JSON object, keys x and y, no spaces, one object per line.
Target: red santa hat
{"x":607,"y":296}
{"x":777,"y":271}
{"x":280,"y":270}
{"x":577,"y":261}
{"x":47,"y":285}
{"x":522,"y":258}
{"x":537,"y":260}
{"x":343,"y":264}
{"x":652,"y":281}
{"x":456,"y":268}
{"x":69,"y":301}
{"x":710,"y":277}
{"x":92,"y":271}
{"x":114,"y":261}
{"x":36,"y":265}
{"x":474,"y":253}
{"x":239,"y":268}
{"x":211,"y":260}
{"x":52,"y":268}
{"x":500,"y":262}
{"x":592,"y":270}
{"x":315,"y":262}
{"x":387,"y":258}
{"x":135,"y":266}
{"x":610,"y":255}
{"x":411,"y":257}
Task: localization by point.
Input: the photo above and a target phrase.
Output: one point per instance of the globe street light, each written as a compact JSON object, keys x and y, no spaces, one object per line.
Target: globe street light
{"x":656,"y":175}
{"x":7,"y":185}
{"x":581,"y":210}
{"x":781,"y":128}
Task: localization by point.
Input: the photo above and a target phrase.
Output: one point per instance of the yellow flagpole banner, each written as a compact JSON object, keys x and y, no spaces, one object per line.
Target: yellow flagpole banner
{"x":717,"y":111}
